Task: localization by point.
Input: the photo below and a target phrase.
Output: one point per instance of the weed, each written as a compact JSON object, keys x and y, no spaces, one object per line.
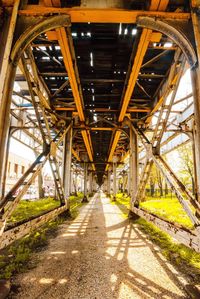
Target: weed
{"x":27,"y":209}
{"x":168,"y":208}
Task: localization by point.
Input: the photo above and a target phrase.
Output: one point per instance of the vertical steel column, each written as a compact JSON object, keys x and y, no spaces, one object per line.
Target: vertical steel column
{"x":95,"y":184}
{"x":108,"y":182}
{"x":4,"y":175}
{"x":40,"y":185}
{"x":75,"y":183}
{"x":133,"y":166}
{"x":40,"y":180}
{"x":66,"y":166}
{"x":90,"y":182}
{"x":114,"y":180}
{"x":195,"y":78}
{"x":85,"y":199}
{"x":5,"y":98}
{"x":6,"y":44}
{"x":123,"y":182}
{"x":129,"y":177}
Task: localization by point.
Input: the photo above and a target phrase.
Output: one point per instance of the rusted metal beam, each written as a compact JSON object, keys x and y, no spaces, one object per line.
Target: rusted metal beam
{"x":133,"y":164}
{"x":69,"y":59}
{"x":7,"y":50}
{"x":114,"y":144}
{"x":145,"y":38}
{"x":66,"y":165}
{"x":101,"y":129}
{"x":4,"y":127}
{"x":141,"y":50}
{"x":22,"y":230}
{"x":69,"y":65}
{"x":75,"y":154}
{"x":167,"y":88}
{"x":171,"y":178}
{"x":196,"y":96}
{"x":184,"y":236}
{"x":84,"y":15}
{"x":26,"y":37}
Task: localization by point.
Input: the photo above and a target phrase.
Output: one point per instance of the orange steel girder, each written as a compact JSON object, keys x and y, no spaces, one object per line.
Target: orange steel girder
{"x":107,"y":15}
{"x":141,"y":50}
{"x":67,"y":58}
{"x":63,"y":41}
{"x":75,"y":154}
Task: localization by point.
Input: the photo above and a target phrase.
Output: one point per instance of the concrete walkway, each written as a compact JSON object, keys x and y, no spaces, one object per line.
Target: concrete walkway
{"x":101,"y":255}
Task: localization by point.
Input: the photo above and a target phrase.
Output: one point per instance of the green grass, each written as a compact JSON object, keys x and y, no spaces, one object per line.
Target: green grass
{"x":75,"y":204}
{"x":16,"y":258}
{"x":185,"y":258}
{"x":27,"y":209}
{"x":169,"y":209}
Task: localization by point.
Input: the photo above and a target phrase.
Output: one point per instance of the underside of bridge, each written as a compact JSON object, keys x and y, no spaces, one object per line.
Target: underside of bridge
{"x":91,"y":87}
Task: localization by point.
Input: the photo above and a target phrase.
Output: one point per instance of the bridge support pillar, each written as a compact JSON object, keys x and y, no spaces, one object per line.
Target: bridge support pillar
{"x":90,"y":182}
{"x":85,"y":199}
{"x":108,"y":182}
{"x":195,"y":78}
{"x":114,"y":180}
{"x":6,"y":37}
{"x":94,"y":184}
{"x":128,"y":180}
{"x":123,"y":183}
{"x":133,"y":173}
{"x":66,"y":170}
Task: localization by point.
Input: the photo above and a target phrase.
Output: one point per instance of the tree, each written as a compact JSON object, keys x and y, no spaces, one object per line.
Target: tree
{"x":187,"y":165}
{"x":159,"y":181}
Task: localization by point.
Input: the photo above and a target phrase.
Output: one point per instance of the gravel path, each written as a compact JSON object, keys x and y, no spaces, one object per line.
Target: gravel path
{"x":100,"y":255}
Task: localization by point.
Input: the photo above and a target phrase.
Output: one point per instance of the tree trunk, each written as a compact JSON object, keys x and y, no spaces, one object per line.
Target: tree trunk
{"x":166,"y":189}
{"x":152,"y":187}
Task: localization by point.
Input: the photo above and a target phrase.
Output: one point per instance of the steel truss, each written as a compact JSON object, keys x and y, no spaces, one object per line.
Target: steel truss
{"x":152,"y":147}
{"x":51,"y":136}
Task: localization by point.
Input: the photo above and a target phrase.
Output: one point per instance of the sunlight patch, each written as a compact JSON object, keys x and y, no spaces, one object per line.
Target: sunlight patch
{"x":62,"y":281}
{"x":58,"y":252}
{"x":46,"y":280}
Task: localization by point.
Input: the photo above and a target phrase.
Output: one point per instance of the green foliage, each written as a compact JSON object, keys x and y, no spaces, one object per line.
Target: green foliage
{"x":187,"y":165}
{"x":168,"y":208}
{"x":175,"y":252}
{"x":75,"y":204}
{"x":27,"y":209}
{"x":15,"y":258}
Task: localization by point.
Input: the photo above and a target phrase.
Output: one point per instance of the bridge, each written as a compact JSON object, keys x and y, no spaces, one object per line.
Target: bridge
{"x":91,"y":88}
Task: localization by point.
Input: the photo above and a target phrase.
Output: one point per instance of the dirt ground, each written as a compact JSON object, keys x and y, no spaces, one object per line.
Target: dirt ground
{"x":100,"y":255}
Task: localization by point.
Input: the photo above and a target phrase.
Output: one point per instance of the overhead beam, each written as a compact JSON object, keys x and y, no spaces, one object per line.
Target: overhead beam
{"x":95,"y":15}
{"x":145,"y":38}
{"x":104,"y":109}
{"x":75,"y":154}
{"x":141,"y":50}
{"x":68,"y":62}
{"x":75,"y":85}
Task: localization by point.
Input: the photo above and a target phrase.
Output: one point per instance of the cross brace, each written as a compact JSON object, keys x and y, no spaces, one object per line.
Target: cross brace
{"x":179,"y":189}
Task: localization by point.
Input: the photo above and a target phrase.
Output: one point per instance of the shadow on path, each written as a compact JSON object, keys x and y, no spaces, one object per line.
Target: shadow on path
{"x":101,"y":255}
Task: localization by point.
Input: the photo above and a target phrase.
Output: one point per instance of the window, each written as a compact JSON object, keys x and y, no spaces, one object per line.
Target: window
{"x":16,"y":169}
